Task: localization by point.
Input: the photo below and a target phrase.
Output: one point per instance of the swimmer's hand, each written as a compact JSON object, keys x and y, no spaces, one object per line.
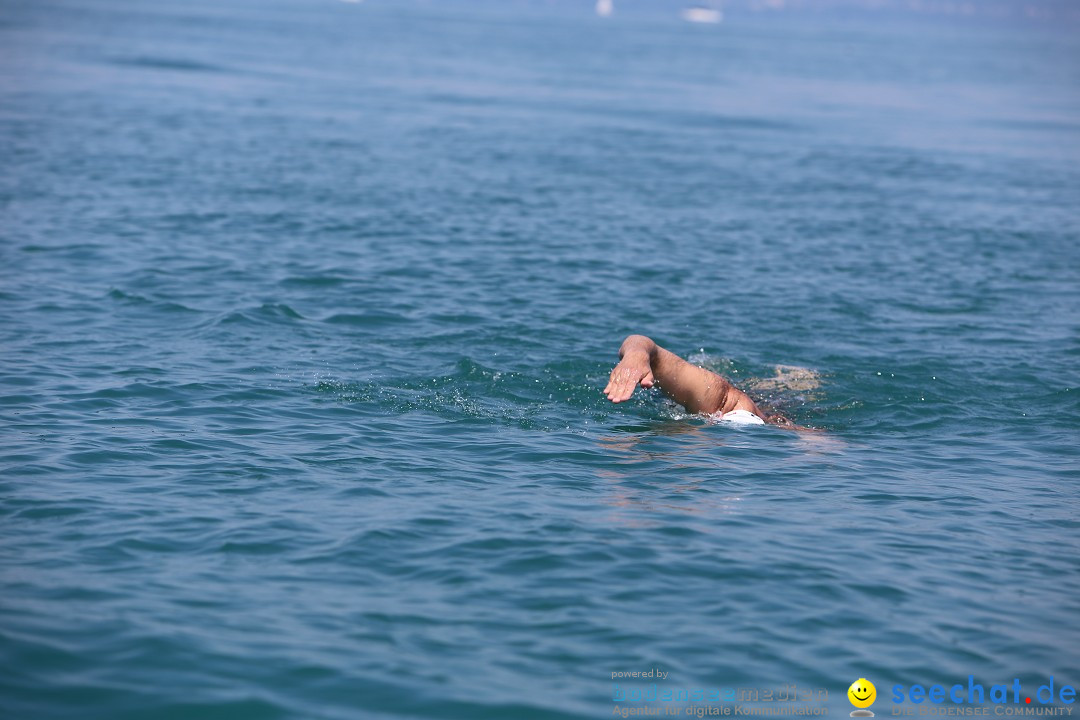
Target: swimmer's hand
{"x":633,"y":369}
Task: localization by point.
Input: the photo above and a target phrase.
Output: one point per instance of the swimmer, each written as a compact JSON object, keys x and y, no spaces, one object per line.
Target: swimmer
{"x":643,"y":362}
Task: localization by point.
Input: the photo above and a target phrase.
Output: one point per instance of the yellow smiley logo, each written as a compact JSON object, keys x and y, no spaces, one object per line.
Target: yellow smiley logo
{"x":862,"y":693}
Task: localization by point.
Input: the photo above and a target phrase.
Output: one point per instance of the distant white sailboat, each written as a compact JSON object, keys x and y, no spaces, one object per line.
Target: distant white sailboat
{"x":702,"y":14}
{"x":604,"y":8}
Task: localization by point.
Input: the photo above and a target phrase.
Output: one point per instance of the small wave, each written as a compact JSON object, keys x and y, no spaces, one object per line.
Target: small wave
{"x":267,"y":312}
{"x":315,"y":281}
{"x":372,"y":319}
{"x":165,"y":63}
{"x":475,"y":392}
{"x":136,"y":299}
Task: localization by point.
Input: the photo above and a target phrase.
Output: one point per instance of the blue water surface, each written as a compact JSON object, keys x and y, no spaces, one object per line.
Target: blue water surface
{"x":307,"y":307}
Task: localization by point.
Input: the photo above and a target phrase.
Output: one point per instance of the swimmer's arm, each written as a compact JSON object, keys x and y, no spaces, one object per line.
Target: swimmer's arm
{"x":698,"y":390}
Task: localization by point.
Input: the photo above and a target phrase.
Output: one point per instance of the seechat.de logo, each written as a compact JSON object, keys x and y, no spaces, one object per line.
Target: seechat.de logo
{"x":976,"y":694}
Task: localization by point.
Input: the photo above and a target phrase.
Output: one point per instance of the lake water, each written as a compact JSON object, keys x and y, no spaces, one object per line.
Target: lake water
{"x":307,"y":307}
